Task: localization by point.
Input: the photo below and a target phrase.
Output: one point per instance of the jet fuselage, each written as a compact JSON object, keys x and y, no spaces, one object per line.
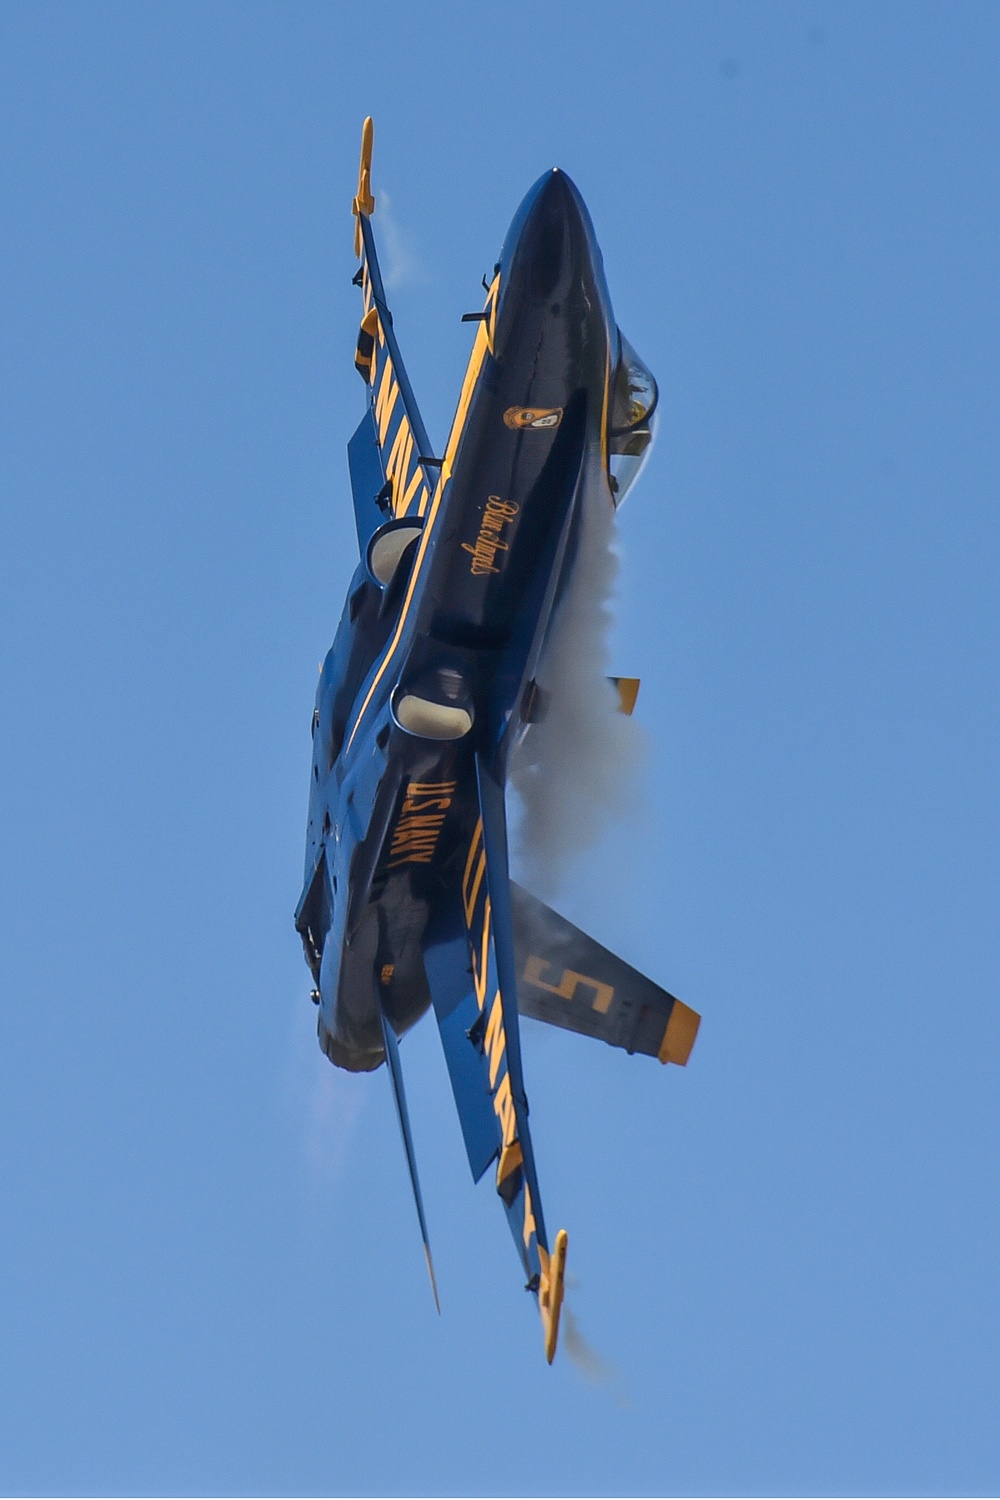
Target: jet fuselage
{"x":437,"y":664}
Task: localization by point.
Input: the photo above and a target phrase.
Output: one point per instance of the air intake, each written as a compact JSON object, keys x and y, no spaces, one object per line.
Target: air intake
{"x":430,"y":720}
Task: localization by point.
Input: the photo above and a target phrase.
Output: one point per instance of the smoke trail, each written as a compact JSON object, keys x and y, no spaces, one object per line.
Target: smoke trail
{"x":334,"y":1101}
{"x":581,"y":1354}
{"x":578,"y":767}
{"x":585,"y":1358}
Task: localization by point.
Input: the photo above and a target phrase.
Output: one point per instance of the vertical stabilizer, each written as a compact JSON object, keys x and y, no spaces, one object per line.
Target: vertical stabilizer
{"x":392,"y":469}
{"x":396,"y":1074}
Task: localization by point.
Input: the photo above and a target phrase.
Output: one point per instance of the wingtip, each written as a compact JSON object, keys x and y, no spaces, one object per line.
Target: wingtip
{"x":550,"y":1293}
{"x":678,"y":1038}
{"x":364,"y":202}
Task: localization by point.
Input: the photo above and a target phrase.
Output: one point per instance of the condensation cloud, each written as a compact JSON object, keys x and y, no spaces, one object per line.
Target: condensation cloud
{"x":580,"y":767}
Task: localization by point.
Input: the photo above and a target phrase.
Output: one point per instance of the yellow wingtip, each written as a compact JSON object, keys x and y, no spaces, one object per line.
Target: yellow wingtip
{"x":364,"y":203}
{"x":678,"y":1038}
{"x":550,"y":1292}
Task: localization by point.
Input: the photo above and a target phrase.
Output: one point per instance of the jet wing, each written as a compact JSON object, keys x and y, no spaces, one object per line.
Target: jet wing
{"x":387,"y":456}
{"x":566,"y":978}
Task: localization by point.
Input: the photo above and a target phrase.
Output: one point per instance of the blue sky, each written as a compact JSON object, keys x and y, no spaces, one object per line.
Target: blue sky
{"x":786,"y":1254}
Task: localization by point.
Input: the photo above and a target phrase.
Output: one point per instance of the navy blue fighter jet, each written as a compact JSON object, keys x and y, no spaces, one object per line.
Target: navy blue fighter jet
{"x":408,"y":902}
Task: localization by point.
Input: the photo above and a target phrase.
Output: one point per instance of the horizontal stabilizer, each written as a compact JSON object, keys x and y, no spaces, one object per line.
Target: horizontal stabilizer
{"x":569,"y":980}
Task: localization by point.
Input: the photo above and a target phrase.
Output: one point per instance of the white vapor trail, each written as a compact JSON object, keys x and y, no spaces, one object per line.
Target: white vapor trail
{"x":398,"y":263}
{"x":326,"y":1102}
{"x":579,"y":766}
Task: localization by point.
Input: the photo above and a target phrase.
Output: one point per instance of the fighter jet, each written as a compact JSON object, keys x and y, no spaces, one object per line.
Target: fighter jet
{"x":465,"y":558}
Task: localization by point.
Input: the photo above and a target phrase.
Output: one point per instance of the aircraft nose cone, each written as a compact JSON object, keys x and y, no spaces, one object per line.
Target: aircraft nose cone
{"x":550,"y":244}
{"x":554,"y":317}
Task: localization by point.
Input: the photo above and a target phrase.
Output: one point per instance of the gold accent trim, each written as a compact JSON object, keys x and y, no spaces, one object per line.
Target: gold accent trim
{"x":490,"y":307}
{"x":678,"y":1039}
{"x":604,"y":425}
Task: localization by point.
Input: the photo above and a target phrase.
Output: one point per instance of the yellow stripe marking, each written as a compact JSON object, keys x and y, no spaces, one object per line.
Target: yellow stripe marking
{"x":484,"y":959}
{"x":388,"y":391}
{"x":411,"y":489}
{"x":470,"y":904}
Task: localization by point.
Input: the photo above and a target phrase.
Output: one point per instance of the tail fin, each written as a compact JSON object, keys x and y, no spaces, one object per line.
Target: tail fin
{"x":386,"y":454}
{"x":396,"y":1073}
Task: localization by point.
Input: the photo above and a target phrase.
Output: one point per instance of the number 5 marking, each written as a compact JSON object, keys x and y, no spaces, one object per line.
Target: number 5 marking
{"x":569,"y":984}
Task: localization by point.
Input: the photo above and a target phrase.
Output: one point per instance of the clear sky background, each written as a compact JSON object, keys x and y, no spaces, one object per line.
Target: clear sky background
{"x":787,"y":1254}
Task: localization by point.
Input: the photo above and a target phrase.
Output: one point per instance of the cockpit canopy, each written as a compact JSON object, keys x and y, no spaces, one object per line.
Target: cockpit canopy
{"x":632,"y":419}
